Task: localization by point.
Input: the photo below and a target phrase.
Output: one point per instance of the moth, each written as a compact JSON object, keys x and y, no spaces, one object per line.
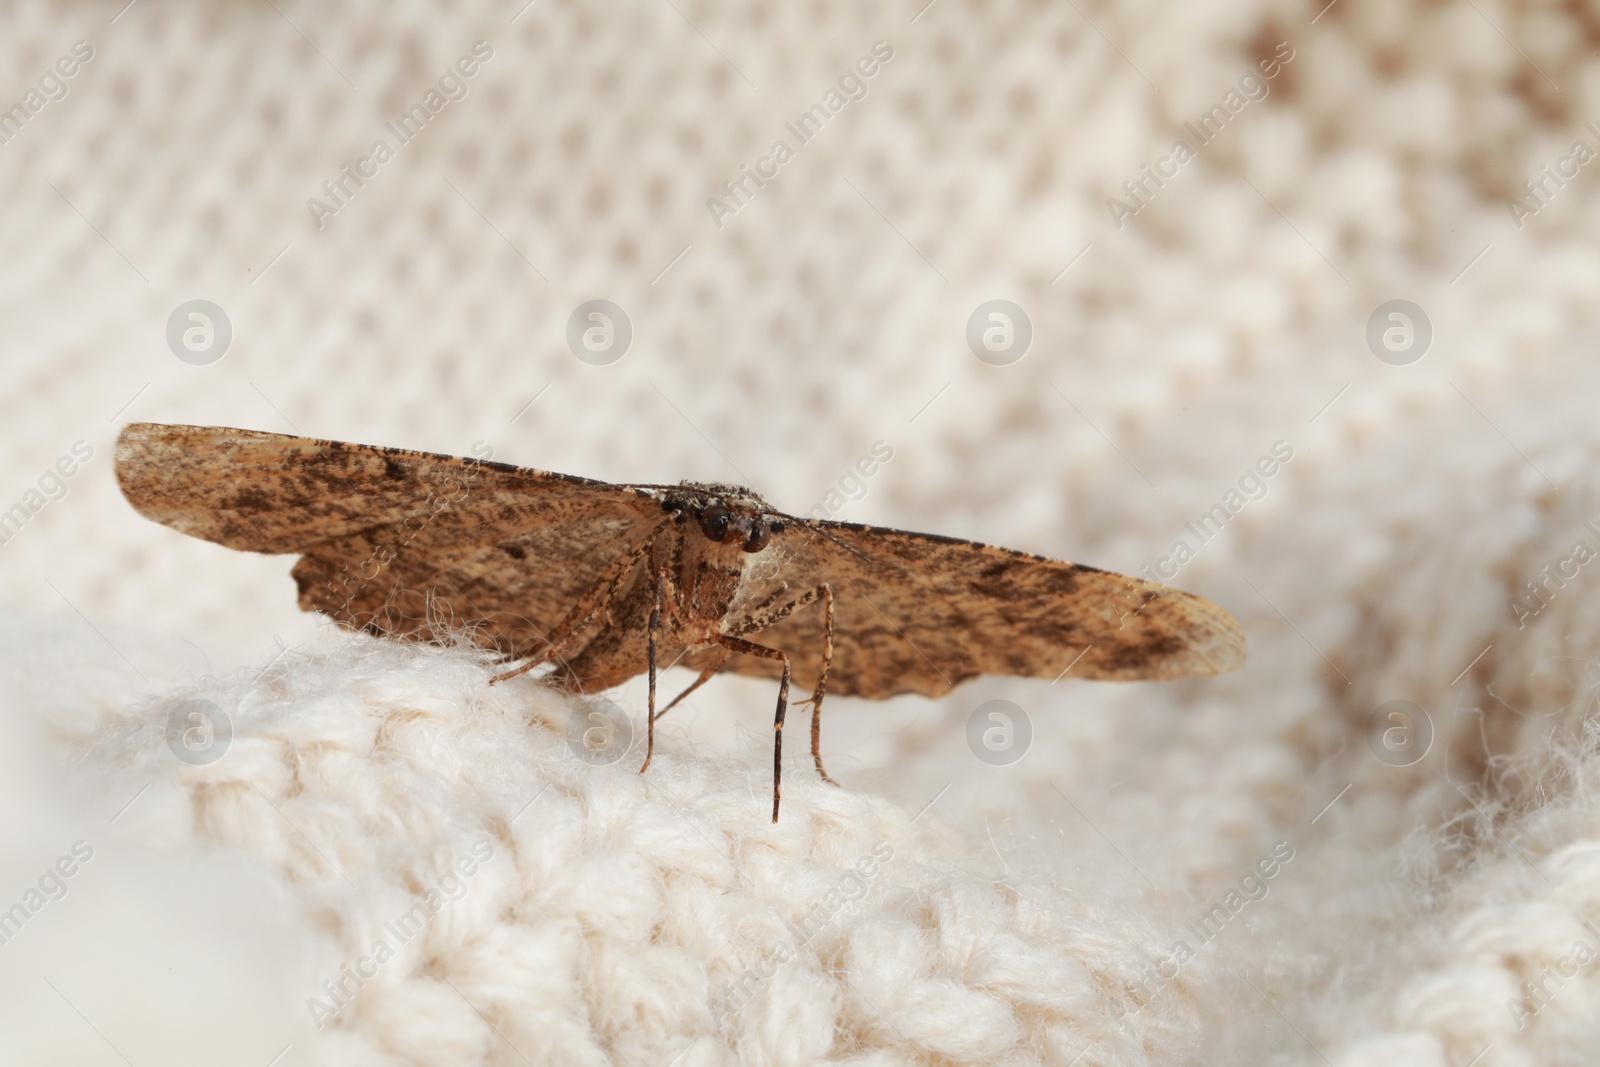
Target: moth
{"x":606,"y":581}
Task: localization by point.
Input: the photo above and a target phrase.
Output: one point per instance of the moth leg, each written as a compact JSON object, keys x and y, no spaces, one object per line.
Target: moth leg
{"x":599,"y":600}
{"x":822,"y":683}
{"x":750,"y":648}
{"x":783,"y":587}
{"x":761,"y":620}
{"x":705,"y":676}
{"x":654,"y":628}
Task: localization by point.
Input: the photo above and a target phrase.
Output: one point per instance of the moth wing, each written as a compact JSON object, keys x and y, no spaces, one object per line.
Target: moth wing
{"x":402,"y":543}
{"x":920,"y":613}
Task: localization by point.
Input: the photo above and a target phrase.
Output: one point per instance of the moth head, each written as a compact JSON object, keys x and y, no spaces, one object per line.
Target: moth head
{"x":725,"y":526}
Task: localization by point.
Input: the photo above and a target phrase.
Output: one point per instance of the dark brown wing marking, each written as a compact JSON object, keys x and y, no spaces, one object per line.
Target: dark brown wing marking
{"x":920,"y":613}
{"x":409,"y":544}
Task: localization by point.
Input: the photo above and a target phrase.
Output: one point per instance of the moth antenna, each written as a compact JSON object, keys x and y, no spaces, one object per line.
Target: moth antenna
{"x":811,"y":524}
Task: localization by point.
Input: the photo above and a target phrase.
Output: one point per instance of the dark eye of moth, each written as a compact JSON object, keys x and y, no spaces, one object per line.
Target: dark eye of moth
{"x":714,"y":522}
{"x":759,"y":536}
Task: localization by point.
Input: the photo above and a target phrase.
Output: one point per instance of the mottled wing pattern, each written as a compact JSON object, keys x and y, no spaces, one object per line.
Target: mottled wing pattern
{"x":919,"y":613}
{"x":402,"y":543}
{"x":505,"y":588}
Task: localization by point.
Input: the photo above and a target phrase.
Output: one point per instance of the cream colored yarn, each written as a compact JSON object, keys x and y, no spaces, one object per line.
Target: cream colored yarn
{"x":1027,"y":914}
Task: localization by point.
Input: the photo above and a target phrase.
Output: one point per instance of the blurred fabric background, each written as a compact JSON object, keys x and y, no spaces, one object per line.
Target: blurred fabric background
{"x":1181,"y":331}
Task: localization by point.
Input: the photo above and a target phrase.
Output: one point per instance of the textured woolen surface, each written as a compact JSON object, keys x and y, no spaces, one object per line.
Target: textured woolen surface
{"x":1024,"y":914}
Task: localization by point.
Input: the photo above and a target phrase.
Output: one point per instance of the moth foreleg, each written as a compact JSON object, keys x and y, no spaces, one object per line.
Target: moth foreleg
{"x":750,"y":648}
{"x":761,"y":620}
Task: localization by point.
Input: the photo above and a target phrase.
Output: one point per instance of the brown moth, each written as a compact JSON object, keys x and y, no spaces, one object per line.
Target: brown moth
{"x":609,"y":581}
